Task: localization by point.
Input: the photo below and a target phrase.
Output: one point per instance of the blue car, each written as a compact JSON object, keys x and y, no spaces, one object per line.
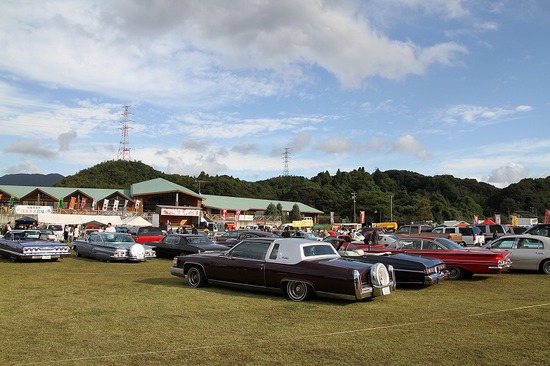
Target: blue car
{"x":31,"y":245}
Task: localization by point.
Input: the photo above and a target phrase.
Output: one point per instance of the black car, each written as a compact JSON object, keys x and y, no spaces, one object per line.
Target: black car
{"x":181,"y":244}
{"x":409,"y":269}
{"x":245,"y":234}
{"x":539,"y":229}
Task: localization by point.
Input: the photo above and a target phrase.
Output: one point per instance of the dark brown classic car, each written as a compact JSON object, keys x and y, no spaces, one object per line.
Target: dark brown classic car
{"x":299,"y":268}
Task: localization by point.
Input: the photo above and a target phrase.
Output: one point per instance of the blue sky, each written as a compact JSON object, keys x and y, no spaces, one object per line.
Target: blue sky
{"x":435,"y":87}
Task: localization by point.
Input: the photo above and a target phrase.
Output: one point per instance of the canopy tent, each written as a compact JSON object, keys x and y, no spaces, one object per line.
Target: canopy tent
{"x":22,"y":222}
{"x":26,"y":220}
{"x":487,"y":222}
{"x":136,"y":221}
{"x":94,"y":224}
{"x":320,"y":226}
{"x":77,"y":219}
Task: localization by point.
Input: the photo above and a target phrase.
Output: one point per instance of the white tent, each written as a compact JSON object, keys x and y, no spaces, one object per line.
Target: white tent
{"x":67,"y":219}
{"x":136,"y":221}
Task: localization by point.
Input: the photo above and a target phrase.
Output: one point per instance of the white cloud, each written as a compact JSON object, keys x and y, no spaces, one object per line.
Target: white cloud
{"x":409,"y":145}
{"x":25,"y":165}
{"x":34,"y":148}
{"x":190,"y":53}
{"x":507,"y":174}
{"x":478,"y":115}
{"x":335,"y":145}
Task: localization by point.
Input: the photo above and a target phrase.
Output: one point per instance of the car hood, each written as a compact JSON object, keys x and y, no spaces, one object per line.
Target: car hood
{"x":209,"y":246}
{"x":403,"y":259}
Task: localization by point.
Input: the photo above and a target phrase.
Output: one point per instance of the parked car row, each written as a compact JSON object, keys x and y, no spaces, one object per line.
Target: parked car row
{"x":298,"y":267}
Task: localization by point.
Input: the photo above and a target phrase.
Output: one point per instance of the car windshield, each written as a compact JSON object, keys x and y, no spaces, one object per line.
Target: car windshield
{"x":31,"y":234}
{"x":118,"y":238}
{"x":449,"y":244}
{"x":199,"y":240}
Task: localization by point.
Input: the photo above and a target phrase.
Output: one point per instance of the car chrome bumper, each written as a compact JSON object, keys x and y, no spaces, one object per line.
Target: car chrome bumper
{"x":502,"y":266}
{"x":435,"y":278}
{"x":176,"y":271}
{"x":366,"y":291}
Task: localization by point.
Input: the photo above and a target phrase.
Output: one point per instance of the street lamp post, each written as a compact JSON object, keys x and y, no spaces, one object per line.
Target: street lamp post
{"x":391,"y":207}
{"x":353,"y":195}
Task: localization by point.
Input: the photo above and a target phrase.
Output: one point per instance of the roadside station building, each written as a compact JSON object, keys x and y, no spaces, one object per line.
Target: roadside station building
{"x":159,"y":201}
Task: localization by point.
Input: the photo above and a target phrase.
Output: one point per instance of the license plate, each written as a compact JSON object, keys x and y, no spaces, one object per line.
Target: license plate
{"x":385,"y":291}
{"x":46,"y":257}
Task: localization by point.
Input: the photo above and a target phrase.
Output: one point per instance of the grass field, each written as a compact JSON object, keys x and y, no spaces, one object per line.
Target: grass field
{"x":84,"y":312}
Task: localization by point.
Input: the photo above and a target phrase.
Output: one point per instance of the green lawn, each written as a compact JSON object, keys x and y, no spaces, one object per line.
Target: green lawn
{"x":84,"y":312}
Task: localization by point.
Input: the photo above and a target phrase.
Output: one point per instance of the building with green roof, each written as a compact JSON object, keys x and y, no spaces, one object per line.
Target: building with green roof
{"x":173,"y":204}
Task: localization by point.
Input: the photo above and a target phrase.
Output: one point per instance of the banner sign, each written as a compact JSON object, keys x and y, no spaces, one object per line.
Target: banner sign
{"x":224,"y":214}
{"x":32,"y":210}
{"x":237,"y":215}
{"x":547,"y":217}
{"x":180,"y":212}
{"x":361,"y":217}
{"x":115,"y":205}
{"x":72,"y":203}
{"x":83,"y":203}
{"x":105,"y":205}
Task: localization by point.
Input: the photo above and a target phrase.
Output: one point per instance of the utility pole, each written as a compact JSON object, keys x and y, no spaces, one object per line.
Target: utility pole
{"x":391,"y":207}
{"x":353,"y":195}
{"x":200,"y":181}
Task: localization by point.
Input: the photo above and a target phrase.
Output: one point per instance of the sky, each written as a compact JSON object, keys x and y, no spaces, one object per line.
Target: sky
{"x":458,"y":87}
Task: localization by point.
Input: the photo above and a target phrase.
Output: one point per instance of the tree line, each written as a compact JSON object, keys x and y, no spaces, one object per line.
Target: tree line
{"x":392,"y":195}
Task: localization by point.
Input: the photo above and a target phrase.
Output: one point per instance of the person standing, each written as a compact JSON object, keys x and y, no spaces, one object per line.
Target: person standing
{"x":286,"y":233}
{"x":375,"y":237}
{"x":110,"y":228}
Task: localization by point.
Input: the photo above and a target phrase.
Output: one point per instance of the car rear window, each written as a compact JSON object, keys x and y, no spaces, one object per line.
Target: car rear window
{"x":156,"y":231}
{"x":466,"y":230}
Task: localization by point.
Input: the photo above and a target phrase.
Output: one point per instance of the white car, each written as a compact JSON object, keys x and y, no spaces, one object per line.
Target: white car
{"x":57,"y":229}
{"x":527,"y":252}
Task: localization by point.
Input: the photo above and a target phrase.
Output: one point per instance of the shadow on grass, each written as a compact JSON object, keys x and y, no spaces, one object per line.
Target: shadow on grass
{"x":163,"y":281}
{"x":241,"y":293}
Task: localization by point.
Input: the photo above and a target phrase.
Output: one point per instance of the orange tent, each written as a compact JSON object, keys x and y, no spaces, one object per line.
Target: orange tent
{"x":487,"y":222}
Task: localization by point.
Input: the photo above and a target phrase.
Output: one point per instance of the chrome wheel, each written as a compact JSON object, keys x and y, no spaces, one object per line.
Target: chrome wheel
{"x":546,"y":267}
{"x":455,"y":273}
{"x":297,"y":291}
{"x":195,"y":277}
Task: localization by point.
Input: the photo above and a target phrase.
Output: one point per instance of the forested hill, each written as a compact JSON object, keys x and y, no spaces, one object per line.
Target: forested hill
{"x":402,"y":195}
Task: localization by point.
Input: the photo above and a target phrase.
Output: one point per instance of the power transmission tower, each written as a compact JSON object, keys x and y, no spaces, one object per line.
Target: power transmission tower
{"x":124,"y":147}
{"x":286,"y":158}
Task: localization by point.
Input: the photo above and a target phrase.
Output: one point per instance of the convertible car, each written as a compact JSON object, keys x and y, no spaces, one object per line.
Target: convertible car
{"x":527,"y":252}
{"x":461,"y":262}
{"x":409,"y":269}
{"x":108,"y":246}
{"x":182,"y":244}
{"x":300,"y":268}
{"x":31,"y":244}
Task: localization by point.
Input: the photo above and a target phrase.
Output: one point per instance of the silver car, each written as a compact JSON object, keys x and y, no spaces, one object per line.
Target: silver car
{"x":527,"y":252}
{"x":108,"y":246}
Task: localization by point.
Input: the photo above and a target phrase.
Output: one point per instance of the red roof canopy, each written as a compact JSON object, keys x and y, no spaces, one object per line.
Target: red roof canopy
{"x":487,"y":222}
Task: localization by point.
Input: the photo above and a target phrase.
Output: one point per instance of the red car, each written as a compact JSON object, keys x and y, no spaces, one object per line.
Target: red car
{"x":461,"y":262}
